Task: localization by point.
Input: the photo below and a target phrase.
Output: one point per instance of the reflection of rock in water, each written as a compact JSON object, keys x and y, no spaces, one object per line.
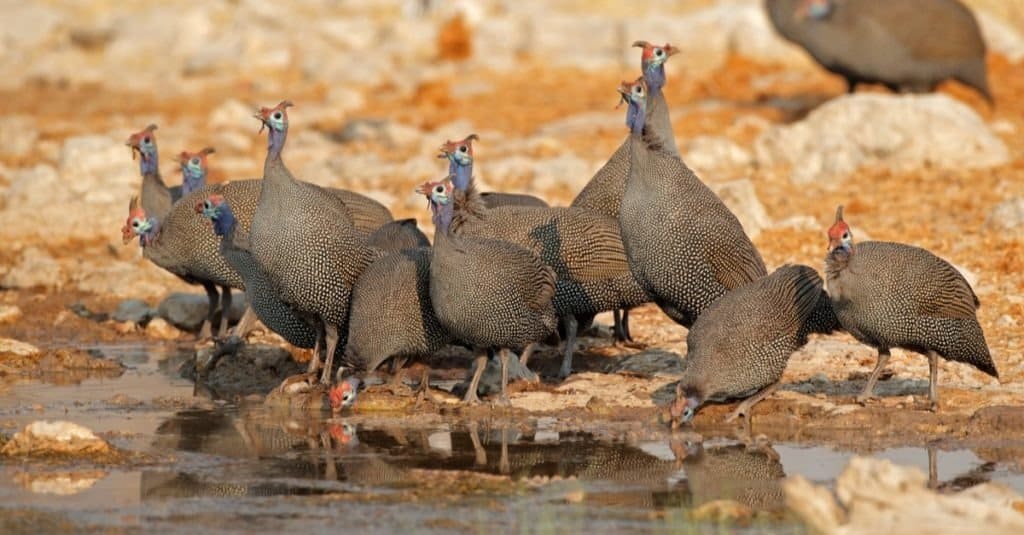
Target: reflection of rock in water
{"x":733,"y":472}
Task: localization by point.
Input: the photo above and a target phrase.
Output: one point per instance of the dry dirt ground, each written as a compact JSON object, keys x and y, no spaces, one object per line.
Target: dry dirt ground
{"x":942,"y":210}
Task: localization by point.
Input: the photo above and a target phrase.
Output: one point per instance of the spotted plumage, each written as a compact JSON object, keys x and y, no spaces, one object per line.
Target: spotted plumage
{"x":740,"y":345}
{"x":488,"y":293}
{"x":305,"y":241}
{"x":684,"y":246}
{"x":397,"y":235}
{"x":584,"y":248}
{"x":895,"y":295}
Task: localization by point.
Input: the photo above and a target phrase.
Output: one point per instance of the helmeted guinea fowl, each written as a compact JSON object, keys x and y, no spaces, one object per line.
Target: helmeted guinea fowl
{"x":397,"y":235}
{"x":305,"y":241}
{"x":909,"y":45}
{"x":260,"y":293}
{"x":603,"y":193}
{"x":739,"y":347}
{"x":193,"y":169}
{"x":157,"y":198}
{"x":895,"y":295}
{"x":391,"y":314}
{"x":685,"y":247}
{"x":491,"y":199}
{"x":583,"y":247}
{"x":183,"y":245}
{"x":488,"y":293}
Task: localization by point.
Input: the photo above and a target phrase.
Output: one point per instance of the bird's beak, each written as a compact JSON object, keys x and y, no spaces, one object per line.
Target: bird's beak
{"x":263,"y":122}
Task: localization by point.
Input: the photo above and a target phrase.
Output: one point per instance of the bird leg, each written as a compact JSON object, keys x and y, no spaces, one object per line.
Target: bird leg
{"x":527,"y":353}
{"x":471,"y":398}
{"x":396,"y":385}
{"x":933,"y":388}
{"x":245,"y":323}
{"x":625,"y":325}
{"x":571,"y":326}
{"x":618,"y":331}
{"x":747,"y":404}
{"x":933,"y":468}
{"x":331,"y":334}
{"x":225,"y":310}
{"x":423,"y":390}
{"x":503,"y":356}
{"x":478,"y":449}
{"x":205,"y":332}
{"x":314,"y":361}
{"x":883,"y":358}
{"x":503,"y":465}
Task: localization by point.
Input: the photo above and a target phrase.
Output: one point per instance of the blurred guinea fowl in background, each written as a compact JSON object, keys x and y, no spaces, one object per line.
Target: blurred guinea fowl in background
{"x":906,"y":45}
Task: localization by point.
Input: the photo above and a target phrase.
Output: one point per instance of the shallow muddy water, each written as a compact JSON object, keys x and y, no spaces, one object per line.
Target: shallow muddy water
{"x":228,"y":467}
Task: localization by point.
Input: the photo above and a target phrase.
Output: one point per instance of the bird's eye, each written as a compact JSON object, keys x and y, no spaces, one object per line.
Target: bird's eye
{"x":195,"y":161}
{"x":135,"y":223}
{"x":659,"y":52}
{"x":463,"y":149}
{"x":146,"y":140}
{"x":277,"y":115}
{"x":846,"y":235}
{"x":438,"y":189}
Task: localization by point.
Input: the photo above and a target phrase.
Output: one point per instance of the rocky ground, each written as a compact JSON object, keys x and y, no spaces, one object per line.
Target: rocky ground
{"x":377,"y":87}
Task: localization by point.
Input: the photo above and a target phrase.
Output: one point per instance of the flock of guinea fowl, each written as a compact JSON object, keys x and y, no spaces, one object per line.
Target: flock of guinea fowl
{"x":329,"y":269}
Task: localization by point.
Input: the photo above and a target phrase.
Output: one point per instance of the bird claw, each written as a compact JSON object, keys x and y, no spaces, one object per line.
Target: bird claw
{"x":864,"y":399}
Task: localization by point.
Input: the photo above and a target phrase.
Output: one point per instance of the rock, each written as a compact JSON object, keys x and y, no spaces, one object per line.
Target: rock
{"x":740,"y":197}
{"x":10,"y":346}
{"x":711,"y":155}
{"x":135,"y":310}
{"x":187,"y":311}
{"x":1008,"y":217}
{"x":1000,"y":36}
{"x":900,"y":132}
{"x":9,"y":313}
{"x":650,"y":362}
{"x":18,"y":136}
{"x":45,"y":438}
{"x":877,"y":496}
{"x":93,"y":169}
{"x":160,"y":328}
{"x":35,"y":269}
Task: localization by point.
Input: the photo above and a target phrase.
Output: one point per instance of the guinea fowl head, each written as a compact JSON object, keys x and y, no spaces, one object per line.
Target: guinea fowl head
{"x":193,"y":167}
{"x":343,"y":394}
{"x":216,"y":209}
{"x":634,"y":94}
{"x":653,"y":58}
{"x":839,"y":236}
{"x":276,"y":118}
{"x":684,"y":408}
{"x":813,"y":9}
{"x":459,"y":152}
{"x":143,"y":142}
{"x":437,"y":192}
{"x":138,"y":224}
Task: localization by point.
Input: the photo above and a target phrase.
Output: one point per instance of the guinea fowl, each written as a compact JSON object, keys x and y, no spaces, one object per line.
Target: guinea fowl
{"x":397,"y":235}
{"x":895,"y":295}
{"x":906,"y":45}
{"x":305,"y":241}
{"x":685,"y":247}
{"x":583,"y":247}
{"x":460,"y":153}
{"x":184,"y":246}
{"x":259,"y":292}
{"x":739,"y":346}
{"x":392,"y":316}
{"x":603,"y":193}
{"x":487,"y":293}
{"x":157,"y":198}
{"x":193,"y":169}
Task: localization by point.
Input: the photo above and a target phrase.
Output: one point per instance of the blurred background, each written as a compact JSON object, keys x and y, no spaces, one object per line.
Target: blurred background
{"x":377,"y":86}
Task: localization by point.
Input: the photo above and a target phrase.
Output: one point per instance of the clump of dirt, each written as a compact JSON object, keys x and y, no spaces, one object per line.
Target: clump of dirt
{"x":251,"y":369}
{"x":60,"y":441}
